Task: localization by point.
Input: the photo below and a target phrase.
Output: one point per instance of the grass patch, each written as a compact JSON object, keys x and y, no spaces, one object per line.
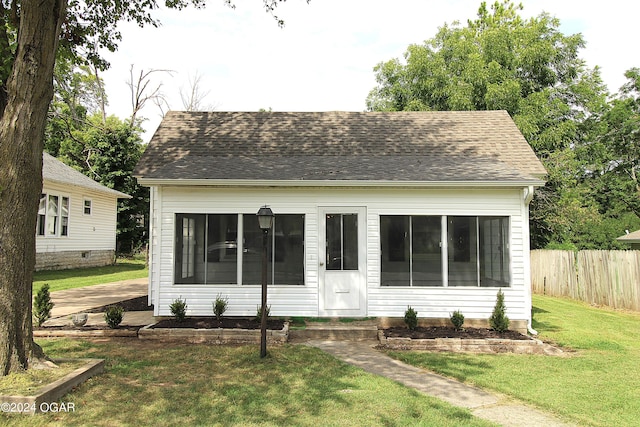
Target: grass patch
{"x":597,"y":385}
{"x":161,"y":385}
{"x":59,"y":280}
{"x":29,"y":382}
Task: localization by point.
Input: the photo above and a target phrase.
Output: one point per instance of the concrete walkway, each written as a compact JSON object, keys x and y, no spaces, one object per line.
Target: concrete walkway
{"x":481,"y":403}
{"x":359,"y":353}
{"x":80,"y":300}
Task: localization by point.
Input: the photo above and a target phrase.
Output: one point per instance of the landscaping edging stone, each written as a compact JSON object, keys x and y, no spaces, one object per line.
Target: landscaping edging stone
{"x":459,"y":345}
{"x":47,"y":398}
{"x":80,"y":333}
{"x":214,"y":336}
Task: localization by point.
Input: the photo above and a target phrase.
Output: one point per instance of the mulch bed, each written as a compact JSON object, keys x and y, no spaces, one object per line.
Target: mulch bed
{"x":225,"y":322}
{"x":448,"y":332}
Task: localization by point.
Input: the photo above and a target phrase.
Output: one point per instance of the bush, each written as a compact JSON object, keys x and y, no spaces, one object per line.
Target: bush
{"x":411,"y":318}
{"x":220,"y":306}
{"x":42,"y":305}
{"x":259,"y":313}
{"x":499,"y":321}
{"x":457,"y":320}
{"x":179,"y":309}
{"x":113,"y":316}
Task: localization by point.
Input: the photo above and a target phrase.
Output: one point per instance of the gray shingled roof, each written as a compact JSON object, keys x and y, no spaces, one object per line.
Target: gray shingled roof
{"x":469,"y":146}
{"x":633,"y":237}
{"x":56,"y":171}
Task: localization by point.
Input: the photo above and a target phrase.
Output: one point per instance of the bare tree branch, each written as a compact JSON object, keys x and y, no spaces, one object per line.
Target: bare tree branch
{"x":140,"y":95}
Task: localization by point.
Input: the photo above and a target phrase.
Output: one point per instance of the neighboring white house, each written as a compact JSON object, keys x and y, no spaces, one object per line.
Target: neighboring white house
{"x":633,"y":239}
{"x":77,"y":219}
{"x":373,"y":212}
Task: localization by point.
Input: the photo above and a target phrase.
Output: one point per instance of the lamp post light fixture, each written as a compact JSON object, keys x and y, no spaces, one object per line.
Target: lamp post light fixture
{"x":265,"y":221}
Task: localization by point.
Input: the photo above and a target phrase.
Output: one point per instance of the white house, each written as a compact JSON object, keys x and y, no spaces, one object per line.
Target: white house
{"x":77,"y":219}
{"x":373,"y":212}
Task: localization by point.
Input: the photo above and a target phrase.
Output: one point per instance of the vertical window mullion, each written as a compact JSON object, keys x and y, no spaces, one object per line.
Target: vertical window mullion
{"x":239,"y":249}
{"x":206,"y":245}
{"x":410,"y":231}
{"x":273,"y":251}
{"x":341,"y":242}
{"x":477,"y":251}
{"x":445,"y":250}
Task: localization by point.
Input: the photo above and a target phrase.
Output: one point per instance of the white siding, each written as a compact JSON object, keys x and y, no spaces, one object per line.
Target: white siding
{"x":86,"y":232}
{"x":434,"y":302}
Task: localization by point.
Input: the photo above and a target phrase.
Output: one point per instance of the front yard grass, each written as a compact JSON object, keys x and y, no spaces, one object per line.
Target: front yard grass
{"x":596,"y":385}
{"x":167,"y":385}
{"x":59,"y":280}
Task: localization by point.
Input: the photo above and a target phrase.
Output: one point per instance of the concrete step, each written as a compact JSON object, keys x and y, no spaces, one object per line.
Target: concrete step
{"x":334,"y":332}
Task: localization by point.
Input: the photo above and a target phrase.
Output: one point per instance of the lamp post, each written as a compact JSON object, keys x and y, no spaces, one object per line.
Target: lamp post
{"x":265,"y":221}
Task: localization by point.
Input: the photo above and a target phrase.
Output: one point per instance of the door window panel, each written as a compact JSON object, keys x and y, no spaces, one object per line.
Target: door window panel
{"x":342,"y":241}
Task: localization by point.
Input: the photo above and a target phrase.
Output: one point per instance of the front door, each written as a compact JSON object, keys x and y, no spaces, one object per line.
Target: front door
{"x":342,"y":259}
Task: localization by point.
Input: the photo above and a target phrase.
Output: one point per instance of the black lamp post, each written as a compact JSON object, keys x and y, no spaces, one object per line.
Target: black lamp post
{"x":265,"y":221}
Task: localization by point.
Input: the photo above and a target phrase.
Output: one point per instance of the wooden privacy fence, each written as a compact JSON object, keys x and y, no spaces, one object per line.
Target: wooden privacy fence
{"x":609,"y":278}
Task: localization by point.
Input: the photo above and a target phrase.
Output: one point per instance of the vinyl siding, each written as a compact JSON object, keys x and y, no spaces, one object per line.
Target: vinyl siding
{"x":436,"y":302}
{"x":86,"y":232}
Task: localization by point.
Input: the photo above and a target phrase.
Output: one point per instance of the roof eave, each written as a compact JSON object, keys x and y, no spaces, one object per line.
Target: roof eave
{"x":150,"y":182}
{"x":106,"y":190}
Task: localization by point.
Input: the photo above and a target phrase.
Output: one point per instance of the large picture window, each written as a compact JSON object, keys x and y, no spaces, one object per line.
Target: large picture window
{"x":208,"y":250}
{"x":475,"y":250}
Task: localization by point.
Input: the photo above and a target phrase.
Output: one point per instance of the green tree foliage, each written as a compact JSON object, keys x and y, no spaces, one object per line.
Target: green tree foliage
{"x":33,"y":34}
{"x":106,"y":149}
{"x":616,"y":149}
{"x":527,"y":67}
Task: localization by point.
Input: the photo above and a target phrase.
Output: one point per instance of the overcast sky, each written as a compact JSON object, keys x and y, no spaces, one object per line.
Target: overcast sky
{"x":323,"y":59}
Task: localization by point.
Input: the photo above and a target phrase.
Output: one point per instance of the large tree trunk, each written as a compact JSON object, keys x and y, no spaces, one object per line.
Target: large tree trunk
{"x":28,"y":93}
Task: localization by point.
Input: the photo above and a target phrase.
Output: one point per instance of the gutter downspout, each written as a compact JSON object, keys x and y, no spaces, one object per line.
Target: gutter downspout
{"x":528,"y":196}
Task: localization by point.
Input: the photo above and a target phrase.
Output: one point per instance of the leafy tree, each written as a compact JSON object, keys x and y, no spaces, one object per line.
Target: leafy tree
{"x":618,"y":147}
{"x":30,"y":34}
{"x":107,"y":152}
{"x":503,"y":61}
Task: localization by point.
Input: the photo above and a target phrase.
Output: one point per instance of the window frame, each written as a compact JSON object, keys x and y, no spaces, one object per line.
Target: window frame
{"x":479,"y":252}
{"x":61,"y":217}
{"x":239,"y":246}
{"x":84,"y":206}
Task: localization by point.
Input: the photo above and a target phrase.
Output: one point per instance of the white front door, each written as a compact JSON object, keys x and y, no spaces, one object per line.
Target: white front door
{"x":342,"y":259}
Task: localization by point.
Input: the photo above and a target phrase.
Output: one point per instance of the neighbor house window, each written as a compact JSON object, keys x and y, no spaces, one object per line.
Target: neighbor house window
{"x":53,"y":216}
{"x":208,"y":250}
{"x":87,"y":207}
{"x":476,"y":251}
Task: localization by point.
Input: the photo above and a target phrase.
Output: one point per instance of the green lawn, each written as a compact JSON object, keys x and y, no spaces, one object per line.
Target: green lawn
{"x":597,"y":384}
{"x":123,"y":269}
{"x":157,"y":384}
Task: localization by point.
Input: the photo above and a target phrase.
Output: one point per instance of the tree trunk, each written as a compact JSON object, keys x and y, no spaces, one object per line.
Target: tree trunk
{"x":29,"y":91}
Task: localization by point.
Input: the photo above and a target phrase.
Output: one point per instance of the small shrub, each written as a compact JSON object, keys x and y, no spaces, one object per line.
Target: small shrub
{"x":220,"y":306}
{"x":179,"y":309}
{"x":411,"y":318}
{"x":113,"y":316}
{"x":259,"y":313}
{"x":499,"y":321}
{"x":457,"y":320}
{"x":42,"y":305}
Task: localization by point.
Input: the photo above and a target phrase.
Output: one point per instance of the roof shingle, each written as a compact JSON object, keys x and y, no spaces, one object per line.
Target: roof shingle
{"x":56,"y":171}
{"x":328,"y":146}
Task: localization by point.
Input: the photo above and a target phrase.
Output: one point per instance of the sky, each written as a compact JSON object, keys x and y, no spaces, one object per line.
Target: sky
{"x":323,"y":58}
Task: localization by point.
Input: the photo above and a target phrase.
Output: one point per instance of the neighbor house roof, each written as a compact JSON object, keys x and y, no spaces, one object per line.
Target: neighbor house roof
{"x":55,"y":171}
{"x":633,"y":237}
{"x":394,"y":147}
